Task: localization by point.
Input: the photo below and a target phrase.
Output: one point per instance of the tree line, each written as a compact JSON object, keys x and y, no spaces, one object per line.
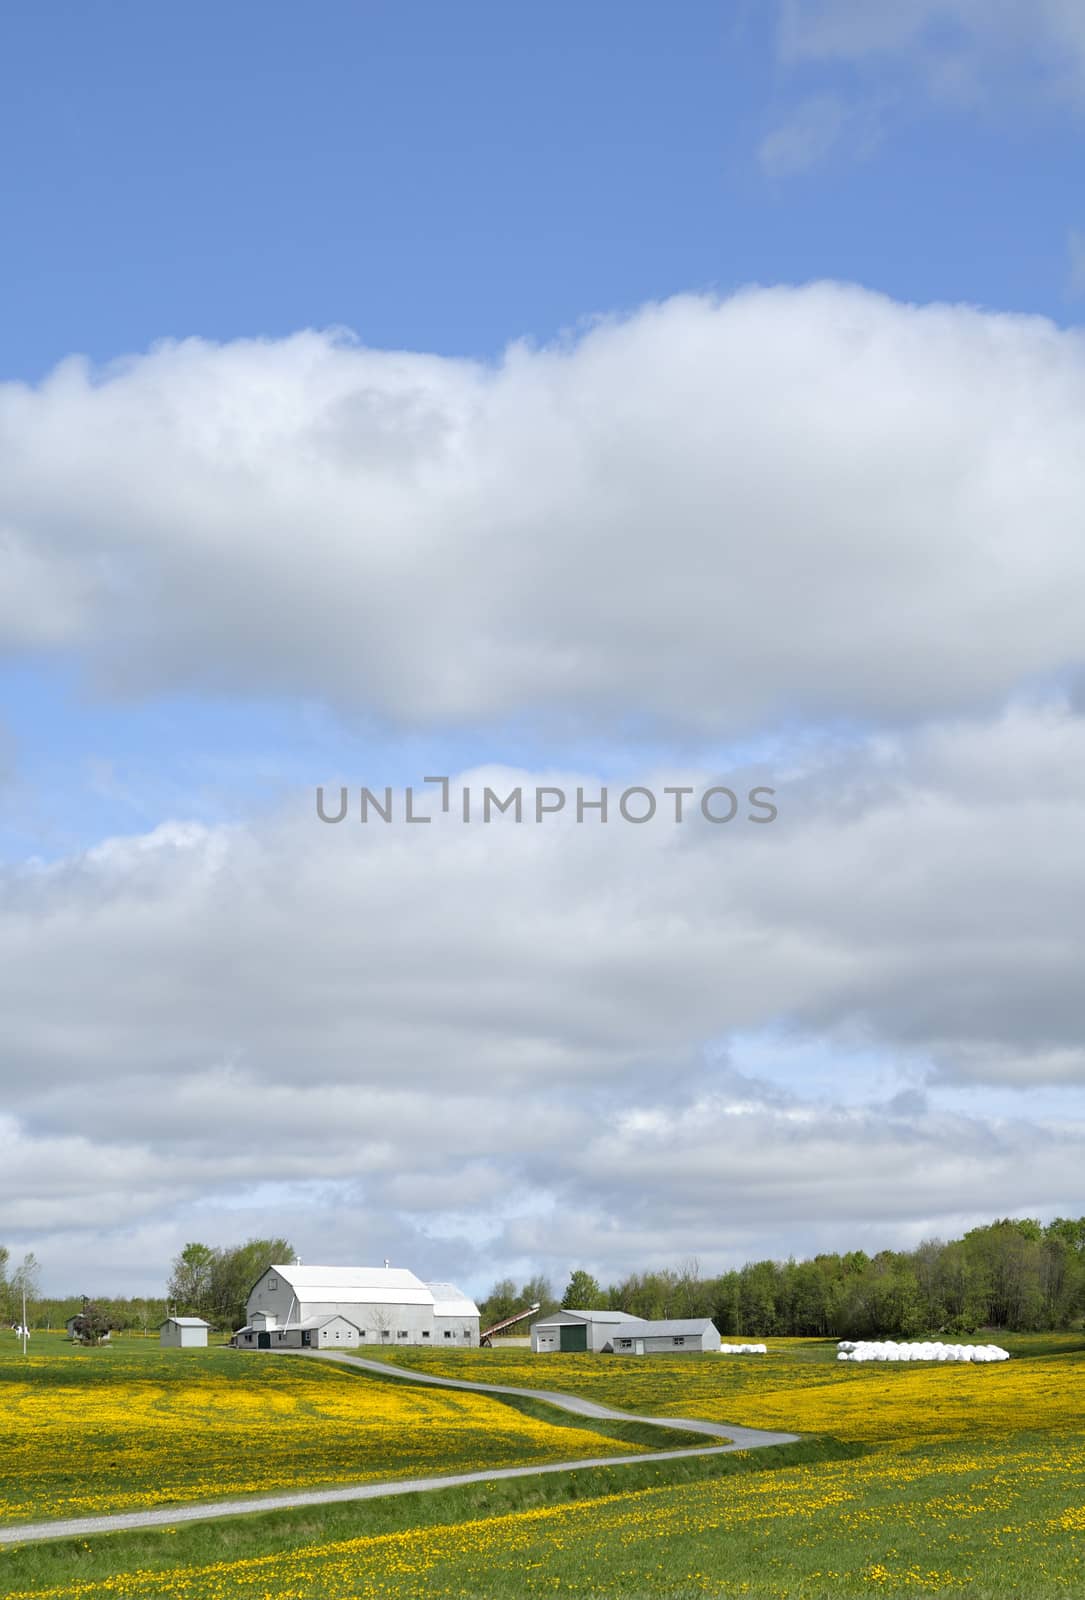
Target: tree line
{"x":205,"y":1281}
{"x":1015,"y":1274}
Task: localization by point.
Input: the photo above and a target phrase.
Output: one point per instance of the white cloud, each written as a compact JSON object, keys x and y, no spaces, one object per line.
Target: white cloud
{"x":414,"y":1020}
{"x":816,"y":128}
{"x":793,"y":503}
{"x":956,"y":45}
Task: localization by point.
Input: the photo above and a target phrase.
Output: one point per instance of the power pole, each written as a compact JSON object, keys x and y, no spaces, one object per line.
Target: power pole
{"x":24,"y":1319}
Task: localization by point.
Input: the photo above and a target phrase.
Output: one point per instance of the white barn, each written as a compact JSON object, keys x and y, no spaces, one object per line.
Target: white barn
{"x":184,"y":1333}
{"x":385,"y":1306}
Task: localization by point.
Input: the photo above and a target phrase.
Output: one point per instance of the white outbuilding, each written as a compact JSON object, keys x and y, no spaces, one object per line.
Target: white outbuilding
{"x":569,"y":1331}
{"x":329,"y":1332}
{"x":184,"y":1333}
{"x":676,"y":1336}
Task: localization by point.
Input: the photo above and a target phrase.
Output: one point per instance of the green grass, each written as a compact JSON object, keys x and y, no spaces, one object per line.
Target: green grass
{"x":52,"y":1565}
{"x":975,"y":1487}
{"x":132,"y":1426}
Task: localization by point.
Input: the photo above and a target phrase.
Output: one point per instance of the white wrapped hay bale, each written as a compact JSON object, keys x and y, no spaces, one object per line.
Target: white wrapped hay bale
{"x":925,"y":1350}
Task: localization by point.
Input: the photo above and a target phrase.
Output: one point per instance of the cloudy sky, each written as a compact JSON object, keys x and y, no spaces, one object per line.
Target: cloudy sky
{"x":574,"y":401}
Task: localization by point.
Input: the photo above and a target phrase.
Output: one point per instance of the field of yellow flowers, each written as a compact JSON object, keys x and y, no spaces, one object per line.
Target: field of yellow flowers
{"x":960,"y":1481}
{"x":800,"y":1387}
{"x":132,"y":1426}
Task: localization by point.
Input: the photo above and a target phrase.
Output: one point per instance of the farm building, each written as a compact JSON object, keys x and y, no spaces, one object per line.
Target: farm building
{"x":183,"y":1333}
{"x":617,"y":1333}
{"x":384,"y":1305}
{"x":637,"y":1338}
{"x":316,"y":1333}
{"x":577,"y":1330}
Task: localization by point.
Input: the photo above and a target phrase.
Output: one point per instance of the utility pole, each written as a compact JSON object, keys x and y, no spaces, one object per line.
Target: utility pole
{"x":24,"y":1319}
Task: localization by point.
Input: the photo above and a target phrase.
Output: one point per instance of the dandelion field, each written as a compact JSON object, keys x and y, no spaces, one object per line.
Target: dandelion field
{"x":130,"y":1426}
{"x":972,"y":1488}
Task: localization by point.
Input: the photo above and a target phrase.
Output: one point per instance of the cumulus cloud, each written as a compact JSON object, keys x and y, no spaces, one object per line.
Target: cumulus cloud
{"x":792,"y":503}
{"x":398,"y":1024}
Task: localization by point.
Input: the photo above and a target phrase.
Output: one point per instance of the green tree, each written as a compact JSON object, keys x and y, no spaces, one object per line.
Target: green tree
{"x":501,"y":1302}
{"x":189,"y":1287}
{"x":538,"y":1291}
{"x":582,"y":1292}
{"x":234,"y":1270}
{"x":92,"y":1324}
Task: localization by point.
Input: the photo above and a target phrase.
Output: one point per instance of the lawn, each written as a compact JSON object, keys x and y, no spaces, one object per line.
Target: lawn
{"x":959,"y":1480}
{"x":131,"y":1425}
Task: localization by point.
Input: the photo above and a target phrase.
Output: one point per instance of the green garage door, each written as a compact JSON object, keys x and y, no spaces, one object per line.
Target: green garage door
{"x":574,"y":1336}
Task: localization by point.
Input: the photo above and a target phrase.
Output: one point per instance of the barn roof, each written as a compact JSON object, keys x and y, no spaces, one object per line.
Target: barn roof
{"x":186,"y":1322}
{"x":448,"y":1301}
{"x":320,"y":1322}
{"x":632,"y":1328}
{"x":587,"y":1316}
{"x":355,"y":1285}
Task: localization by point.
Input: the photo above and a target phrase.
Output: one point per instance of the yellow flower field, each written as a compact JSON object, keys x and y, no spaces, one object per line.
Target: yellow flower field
{"x":940,"y":1521}
{"x":123,"y":1429}
{"x":800,"y":1387}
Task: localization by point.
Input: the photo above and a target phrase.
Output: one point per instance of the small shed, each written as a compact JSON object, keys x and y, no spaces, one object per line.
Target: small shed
{"x":674,"y":1337}
{"x":184,"y":1333}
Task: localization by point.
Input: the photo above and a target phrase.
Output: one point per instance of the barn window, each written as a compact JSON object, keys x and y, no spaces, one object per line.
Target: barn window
{"x":273,"y":1283}
{"x":385,"y":1334}
{"x":448,"y":1333}
{"x":425,"y":1333}
{"x":679,"y":1340}
{"x":337,"y":1333}
{"x":402,"y":1333}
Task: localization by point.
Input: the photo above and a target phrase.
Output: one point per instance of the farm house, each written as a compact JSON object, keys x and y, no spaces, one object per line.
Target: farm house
{"x":184,"y":1333}
{"x":384,"y":1305}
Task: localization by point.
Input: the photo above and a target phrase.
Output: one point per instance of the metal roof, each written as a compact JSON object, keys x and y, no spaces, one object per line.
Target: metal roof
{"x":585,"y":1316}
{"x":354,"y":1285}
{"x":319,"y":1322}
{"x":448,"y":1301}
{"x":186,"y":1322}
{"x":655,"y":1330}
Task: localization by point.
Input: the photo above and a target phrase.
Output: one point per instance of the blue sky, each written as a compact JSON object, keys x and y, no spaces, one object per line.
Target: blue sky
{"x":828,"y":534}
{"x":449,"y":179}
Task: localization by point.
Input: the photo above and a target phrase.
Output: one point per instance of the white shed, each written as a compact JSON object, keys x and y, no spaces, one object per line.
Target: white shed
{"x":184,"y":1333}
{"x":673,"y":1337}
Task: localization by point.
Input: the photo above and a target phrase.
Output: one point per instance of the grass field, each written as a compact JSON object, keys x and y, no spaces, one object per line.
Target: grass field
{"x":947,"y":1480}
{"x":129,"y":1426}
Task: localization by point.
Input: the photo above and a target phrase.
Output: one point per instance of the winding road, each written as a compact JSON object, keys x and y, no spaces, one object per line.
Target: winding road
{"x":737,"y":1438}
